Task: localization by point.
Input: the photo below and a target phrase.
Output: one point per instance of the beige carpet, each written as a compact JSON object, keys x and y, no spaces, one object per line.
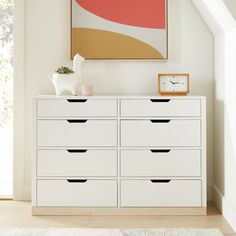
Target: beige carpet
{"x":109,"y":232}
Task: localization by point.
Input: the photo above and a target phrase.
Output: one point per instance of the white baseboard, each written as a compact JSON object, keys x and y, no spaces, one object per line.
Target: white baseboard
{"x":228,"y":211}
{"x":217,"y":197}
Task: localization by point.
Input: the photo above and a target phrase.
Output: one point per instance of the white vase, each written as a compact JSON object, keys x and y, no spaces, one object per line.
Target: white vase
{"x":65,"y":83}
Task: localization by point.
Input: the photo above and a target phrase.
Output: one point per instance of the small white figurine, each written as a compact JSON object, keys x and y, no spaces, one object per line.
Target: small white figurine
{"x":77,"y":65}
{"x":65,"y":79}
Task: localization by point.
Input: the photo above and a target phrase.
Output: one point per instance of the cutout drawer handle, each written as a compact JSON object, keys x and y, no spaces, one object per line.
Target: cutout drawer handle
{"x":77,"y":100}
{"x":77,"y":180}
{"x":160,"y":150}
{"x":160,"y":100}
{"x":77,"y":121}
{"x":160,"y":181}
{"x":160,"y":121}
{"x":77,"y":150}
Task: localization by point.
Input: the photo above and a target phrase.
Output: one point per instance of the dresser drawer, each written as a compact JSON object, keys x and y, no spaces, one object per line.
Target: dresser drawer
{"x":84,"y":193}
{"x":160,"y":133}
{"x":168,"y":193}
{"x":77,"y":133}
{"x":79,"y":162}
{"x":76,"y":107}
{"x":161,"y":107}
{"x":162,"y":163}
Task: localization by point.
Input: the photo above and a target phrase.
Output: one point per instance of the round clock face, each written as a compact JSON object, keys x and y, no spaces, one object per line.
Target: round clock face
{"x":174,"y":84}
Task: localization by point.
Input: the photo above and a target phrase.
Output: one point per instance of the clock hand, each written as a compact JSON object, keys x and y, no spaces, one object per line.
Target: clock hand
{"x":174,"y":82}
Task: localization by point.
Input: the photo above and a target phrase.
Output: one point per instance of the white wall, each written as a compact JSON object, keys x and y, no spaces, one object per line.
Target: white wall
{"x":225,"y":138}
{"x":218,"y":16}
{"x":225,"y":129}
{"x":19,"y":155}
{"x":47,"y":46}
{"x":219,"y":163}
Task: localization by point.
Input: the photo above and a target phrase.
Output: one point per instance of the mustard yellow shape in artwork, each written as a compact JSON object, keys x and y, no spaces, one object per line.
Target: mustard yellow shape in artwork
{"x":101,"y":44}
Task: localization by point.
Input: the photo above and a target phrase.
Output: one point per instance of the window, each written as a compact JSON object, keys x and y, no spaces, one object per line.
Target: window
{"x":6,"y":98}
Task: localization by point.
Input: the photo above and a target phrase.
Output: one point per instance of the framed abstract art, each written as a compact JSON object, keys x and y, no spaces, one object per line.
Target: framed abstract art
{"x":119,"y":29}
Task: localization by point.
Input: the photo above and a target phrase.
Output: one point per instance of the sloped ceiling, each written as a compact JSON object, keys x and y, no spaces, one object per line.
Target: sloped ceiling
{"x":231,"y":4}
{"x":216,"y":15}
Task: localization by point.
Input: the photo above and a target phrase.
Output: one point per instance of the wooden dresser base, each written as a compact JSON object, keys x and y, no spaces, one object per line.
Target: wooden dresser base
{"x":73,"y":211}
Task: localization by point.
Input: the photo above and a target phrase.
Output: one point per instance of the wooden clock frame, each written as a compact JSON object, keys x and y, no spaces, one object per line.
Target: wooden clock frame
{"x":176,"y":93}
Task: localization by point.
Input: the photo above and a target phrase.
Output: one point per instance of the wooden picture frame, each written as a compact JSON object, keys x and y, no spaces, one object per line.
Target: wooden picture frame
{"x":174,"y":93}
{"x":130,"y":47}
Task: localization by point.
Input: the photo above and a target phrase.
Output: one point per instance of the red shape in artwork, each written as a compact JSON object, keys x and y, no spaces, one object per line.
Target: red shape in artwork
{"x":141,"y":13}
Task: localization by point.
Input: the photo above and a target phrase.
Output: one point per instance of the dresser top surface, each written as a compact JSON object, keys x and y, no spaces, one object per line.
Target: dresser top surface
{"x":117,"y":97}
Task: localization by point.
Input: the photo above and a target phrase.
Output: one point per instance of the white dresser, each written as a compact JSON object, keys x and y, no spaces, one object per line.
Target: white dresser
{"x":119,"y":155}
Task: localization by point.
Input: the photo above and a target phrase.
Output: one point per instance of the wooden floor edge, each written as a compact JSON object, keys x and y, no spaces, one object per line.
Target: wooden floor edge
{"x":73,"y":211}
